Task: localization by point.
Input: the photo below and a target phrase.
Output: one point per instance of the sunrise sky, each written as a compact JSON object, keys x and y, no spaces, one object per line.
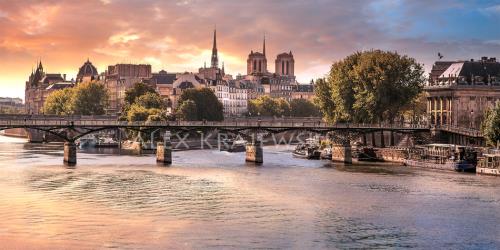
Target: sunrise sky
{"x":176,"y":35}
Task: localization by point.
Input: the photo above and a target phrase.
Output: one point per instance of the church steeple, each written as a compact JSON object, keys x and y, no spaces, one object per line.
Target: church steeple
{"x":264,"y":45}
{"x":215,"y":57}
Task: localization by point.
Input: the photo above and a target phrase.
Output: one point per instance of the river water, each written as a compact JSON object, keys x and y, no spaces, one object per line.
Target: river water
{"x":211,"y":199}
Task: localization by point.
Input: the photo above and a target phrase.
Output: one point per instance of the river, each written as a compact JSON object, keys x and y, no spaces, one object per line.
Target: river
{"x":212,"y":199}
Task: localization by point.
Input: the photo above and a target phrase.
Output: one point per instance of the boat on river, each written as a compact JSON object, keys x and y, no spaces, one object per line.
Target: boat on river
{"x":326,"y":153}
{"x":444,"y":157}
{"x":489,"y":164}
{"x":233,"y":146}
{"x":308,"y":150}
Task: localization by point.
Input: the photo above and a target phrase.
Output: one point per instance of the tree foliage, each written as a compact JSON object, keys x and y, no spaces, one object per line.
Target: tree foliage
{"x":136,"y":91}
{"x":208,"y":107}
{"x":490,"y":126}
{"x":147,"y":104}
{"x":151,"y":100}
{"x":89,"y":98}
{"x":268,"y":106}
{"x":58,"y":102}
{"x":303,"y":108}
{"x":85,"y":99}
{"x":371,"y":86}
{"x":188,"y":111}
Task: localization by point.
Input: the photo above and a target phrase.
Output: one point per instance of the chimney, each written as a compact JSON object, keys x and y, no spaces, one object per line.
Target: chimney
{"x":64,"y":77}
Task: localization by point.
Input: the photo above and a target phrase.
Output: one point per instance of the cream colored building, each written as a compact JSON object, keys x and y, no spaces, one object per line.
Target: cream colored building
{"x":459,"y":93}
{"x":234,"y":99}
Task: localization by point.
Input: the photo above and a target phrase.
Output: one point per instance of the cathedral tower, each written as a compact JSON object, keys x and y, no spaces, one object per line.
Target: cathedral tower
{"x":257,"y":62}
{"x":285,"y":64}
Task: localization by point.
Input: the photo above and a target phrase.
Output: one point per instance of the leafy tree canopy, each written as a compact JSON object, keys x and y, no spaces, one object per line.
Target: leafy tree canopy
{"x":85,"y":99}
{"x":57,"y":103}
{"x":490,"y":126}
{"x":136,"y":91}
{"x":370,"y":86}
{"x":151,"y":100}
{"x":268,"y":106}
{"x":89,"y":98}
{"x":208,"y":106}
{"x":303,"y":108}
{"x":188,"y":111}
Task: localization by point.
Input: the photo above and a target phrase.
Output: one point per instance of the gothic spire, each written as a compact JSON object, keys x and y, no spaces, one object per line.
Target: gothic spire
{"x":215,"y":57}
{"x":264,"y":45}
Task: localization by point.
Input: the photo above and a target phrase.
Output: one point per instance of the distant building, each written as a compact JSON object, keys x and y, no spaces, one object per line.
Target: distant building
{"x":233,"y":98}
{"x":285,"y":65}
{"x":163,"y":83}
{"x":10,"y":105}
{"x":213,"y":73}
{"x":303,"y":91}
{"x":185,"y":81}
{"x":87,"y":73}
{"x":459,"y":92}
{"x":120,"y":77}
{"x":39,"y":86}
{"x":257,"y":61}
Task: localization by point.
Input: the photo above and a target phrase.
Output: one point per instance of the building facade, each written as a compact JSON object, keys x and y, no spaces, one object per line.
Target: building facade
{"x":39,"y":86}
{"x":459,"y":93}
{"x":285,"y":65}
{"x":233,"y":98}
{"x":120,"y":77}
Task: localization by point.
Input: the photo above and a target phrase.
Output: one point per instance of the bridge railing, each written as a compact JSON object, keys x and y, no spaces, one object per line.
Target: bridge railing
{"x":68,"y":121}
{"x":461,"y":130}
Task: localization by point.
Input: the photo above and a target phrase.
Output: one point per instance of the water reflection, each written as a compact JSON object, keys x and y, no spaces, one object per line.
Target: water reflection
{"x":211,"y":199}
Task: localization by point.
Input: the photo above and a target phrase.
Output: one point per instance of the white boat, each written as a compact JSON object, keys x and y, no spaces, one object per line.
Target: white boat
{"x":489,"y":165}
{"x":87,"y":141}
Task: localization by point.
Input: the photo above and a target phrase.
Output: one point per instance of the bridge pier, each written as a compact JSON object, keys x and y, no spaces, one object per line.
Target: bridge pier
{"x":164,"y":150}
{"x":342,"y":152}
{"x":137,"y":147}
{"x":254,"y":152}
{"x":70,"y":153}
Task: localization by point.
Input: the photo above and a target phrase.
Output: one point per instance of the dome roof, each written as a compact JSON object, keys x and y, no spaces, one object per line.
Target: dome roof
{"x":87,"y":69}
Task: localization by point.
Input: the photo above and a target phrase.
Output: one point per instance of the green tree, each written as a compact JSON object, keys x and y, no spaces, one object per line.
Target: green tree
{"x":136,"y":91}
{"x":188,"y":111}
{"x":58,"y":102}
{"x":303,"y":108}
{"x":89,"y":98}
{"x":208,"y":106}
{"x":137,"y":113}
{"x":150,"y":100}
{"x":264,"y":106}
{"x":324,"y":99}
{"x":416,"y":110}
{"x":371,"y":86}
{"x":490,"y":126}
{"x":283,"y":107}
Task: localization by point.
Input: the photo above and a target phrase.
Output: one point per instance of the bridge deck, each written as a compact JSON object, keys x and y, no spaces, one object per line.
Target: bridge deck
{"x":41,"y":121}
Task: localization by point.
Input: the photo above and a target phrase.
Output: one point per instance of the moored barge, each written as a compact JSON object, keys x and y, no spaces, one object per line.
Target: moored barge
{"x":489,"y":165}
{"x":444,"y":157}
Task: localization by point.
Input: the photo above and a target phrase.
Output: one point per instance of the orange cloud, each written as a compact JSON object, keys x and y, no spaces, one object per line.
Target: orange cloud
{"x":177,"y":35}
